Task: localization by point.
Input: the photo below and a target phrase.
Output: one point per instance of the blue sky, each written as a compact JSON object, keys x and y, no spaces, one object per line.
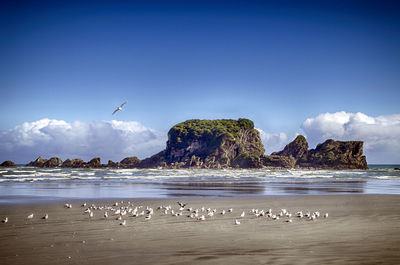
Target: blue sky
{"x":275,"y":62}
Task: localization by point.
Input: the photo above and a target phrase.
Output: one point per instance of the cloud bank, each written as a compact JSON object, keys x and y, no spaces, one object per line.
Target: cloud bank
{"x":118,"y":139}
{"x":381,"y":135}
{"x":107,"y":139}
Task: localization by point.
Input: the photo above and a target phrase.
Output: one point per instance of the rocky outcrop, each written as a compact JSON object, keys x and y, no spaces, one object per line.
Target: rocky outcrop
{"x":328,"y":155}
{"x":157,"y":160}
{"x":210,"y":144}
{"x":94,"y":163}
{"x":7,"y":163}
{"x":336,"y":155}
{"x":74,"y":163}
{"x":278,"y":161}
{"x":113,"y":164}
{"x":53,"y":162}
{"x":130,"y":162}
{"x":39,"y":162}
{"x":295,"y":149}
{"x":247,"y":161}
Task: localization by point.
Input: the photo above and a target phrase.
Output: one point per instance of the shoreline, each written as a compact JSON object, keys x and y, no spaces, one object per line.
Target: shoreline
{"x":48,"y":200}
{"x":164,"y":184}
{"x":360,"y":229}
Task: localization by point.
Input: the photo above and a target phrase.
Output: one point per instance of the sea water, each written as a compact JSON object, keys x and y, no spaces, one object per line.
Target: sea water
{"x":20,"y":183}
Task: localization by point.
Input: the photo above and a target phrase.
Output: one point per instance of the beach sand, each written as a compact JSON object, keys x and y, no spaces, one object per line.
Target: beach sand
{"x":360,"y":229}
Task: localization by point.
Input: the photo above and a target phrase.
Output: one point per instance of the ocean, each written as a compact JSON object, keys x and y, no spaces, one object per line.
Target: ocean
{"x":28,"y":183}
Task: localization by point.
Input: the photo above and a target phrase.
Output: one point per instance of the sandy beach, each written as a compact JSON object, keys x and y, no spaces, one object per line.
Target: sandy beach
{"x":360,"y":229}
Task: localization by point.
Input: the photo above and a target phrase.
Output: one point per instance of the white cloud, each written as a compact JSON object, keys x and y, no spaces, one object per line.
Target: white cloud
{"x":106,"y":139}
{"x":381,"y":135}
{"x":273,"y":142}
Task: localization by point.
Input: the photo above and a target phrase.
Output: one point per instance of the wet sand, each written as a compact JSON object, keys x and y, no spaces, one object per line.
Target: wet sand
{"x":360,"y":229}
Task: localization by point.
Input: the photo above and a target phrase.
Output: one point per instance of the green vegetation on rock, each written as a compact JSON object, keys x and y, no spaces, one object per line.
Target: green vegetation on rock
{"x":208,"y":129}
{"x":216,"y":143}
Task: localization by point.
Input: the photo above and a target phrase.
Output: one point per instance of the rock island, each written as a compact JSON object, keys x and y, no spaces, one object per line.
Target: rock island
{"x":227,"y":143}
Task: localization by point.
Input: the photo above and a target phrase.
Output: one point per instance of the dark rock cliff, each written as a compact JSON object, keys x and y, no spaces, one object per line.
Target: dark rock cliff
{"x":296,"y":149}
{"x":7,"y":163}
{"x":39,"y":162}
{"x":335,"y":154}
{"x":210,"y":144}
{"x":328,"y":155}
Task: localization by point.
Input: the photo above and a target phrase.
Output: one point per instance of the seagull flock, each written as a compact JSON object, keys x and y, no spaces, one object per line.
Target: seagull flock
{"x":120,"y":211}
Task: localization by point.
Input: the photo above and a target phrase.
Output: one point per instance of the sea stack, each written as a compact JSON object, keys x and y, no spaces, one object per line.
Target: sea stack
{"x":237,"y":144}
{"x":210,"y":144}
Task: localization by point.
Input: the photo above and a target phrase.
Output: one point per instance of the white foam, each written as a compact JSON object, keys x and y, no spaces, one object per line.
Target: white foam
{"x":387,"y":177}
{"x":189,"y":175}
{"x":30,"y":179}
{"x":24,"y":171}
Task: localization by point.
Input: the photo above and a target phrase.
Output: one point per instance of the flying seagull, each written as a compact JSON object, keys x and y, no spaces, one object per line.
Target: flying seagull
{"x":119,"y":108}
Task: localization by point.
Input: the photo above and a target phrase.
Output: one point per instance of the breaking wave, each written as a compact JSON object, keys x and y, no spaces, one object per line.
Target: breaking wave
{"x":30,"y":174}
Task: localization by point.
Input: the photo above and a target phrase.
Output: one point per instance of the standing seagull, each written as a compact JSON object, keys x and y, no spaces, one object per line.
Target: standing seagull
{"x":119,"y":108}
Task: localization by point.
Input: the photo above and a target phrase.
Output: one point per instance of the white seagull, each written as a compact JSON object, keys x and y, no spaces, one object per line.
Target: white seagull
{"x":119,"y":108}
{"x":5,"y":220}
{"x":237,"y":222}
{"x":30,"y":216}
